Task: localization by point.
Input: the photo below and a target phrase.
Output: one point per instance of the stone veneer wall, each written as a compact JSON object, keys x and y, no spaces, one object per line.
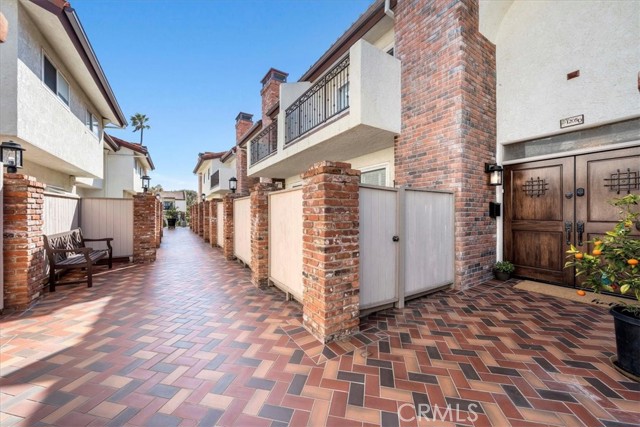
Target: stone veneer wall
{"x":23,"y":249}
{"x":331,"y":214}
{"x":449,"y":120}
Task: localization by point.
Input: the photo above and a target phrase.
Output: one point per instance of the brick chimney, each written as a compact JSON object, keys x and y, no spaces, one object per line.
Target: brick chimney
{"x":244,"y":122}
{"x":271,"y":92}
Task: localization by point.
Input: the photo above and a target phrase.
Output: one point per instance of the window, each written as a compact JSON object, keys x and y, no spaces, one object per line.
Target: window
{"x":343,"y":96}
{"x":54,"y":80}
{"x":168,"y":205}
{"x":92,"y":124}
{"x":374,"y":177}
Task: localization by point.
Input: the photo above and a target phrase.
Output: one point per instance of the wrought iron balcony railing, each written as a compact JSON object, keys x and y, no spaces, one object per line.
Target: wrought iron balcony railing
{"x":265,"y":143}
{"x":327,"y":97}
{"x":215,"y":179}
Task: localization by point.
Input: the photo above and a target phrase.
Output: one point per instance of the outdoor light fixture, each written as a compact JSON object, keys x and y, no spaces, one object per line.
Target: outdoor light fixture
{"x":202,"y":196}
{"x":233,"y":184}
{"x":11,"y":156}
{"x":495,"y":173}
{"x":145,"y":183}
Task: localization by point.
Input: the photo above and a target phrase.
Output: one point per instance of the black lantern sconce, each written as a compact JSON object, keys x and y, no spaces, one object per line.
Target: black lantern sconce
{"x":145,"y":183}
{"x":233,"y":184}
{"x":203,"y":196}
{"x":495,"y":173}
{"x":11,"y":156}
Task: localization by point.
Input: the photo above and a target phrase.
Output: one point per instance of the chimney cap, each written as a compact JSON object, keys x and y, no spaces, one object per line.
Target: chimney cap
{"x":274,"y":74}
{"x":244,"y":116}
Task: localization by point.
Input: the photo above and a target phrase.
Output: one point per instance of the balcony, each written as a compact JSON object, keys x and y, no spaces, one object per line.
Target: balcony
{"x":265,"y":144}
{"x":219,"y":184}
{"x":350,"y":111}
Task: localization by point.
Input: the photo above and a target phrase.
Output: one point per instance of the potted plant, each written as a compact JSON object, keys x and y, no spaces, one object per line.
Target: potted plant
{"x":503,"y":269}
{"x":172,"y":216}
{"x":613,"y":266}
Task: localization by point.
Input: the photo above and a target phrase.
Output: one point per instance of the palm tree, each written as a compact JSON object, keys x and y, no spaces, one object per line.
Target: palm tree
{"x":139,"y":122}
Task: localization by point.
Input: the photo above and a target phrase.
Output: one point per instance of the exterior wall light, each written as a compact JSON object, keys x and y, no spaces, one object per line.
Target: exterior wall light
{"x":145,"y":183}
{"x":11,"y":156}
{"x":495,"y":173}
{"x":203,"y":196}
{"x":233,"y":184}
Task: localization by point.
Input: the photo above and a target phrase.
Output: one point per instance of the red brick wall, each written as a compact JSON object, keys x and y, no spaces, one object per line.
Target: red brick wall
{"x":448,"y":120}
{"x":213,"y":222}
{"x":331,"y":301}
{"x":159,"y":222}
{"x":243,"y":124}
{"x":206,"y":220}
{"x":23,"y":251}
{"x":144,"y":228}
{"x":260,"y":233}
{"x":200,"y":219}
{"x":227,"y":217}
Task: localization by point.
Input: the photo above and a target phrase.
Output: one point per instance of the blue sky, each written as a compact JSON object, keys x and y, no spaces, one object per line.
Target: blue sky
{"x":192,"y":65}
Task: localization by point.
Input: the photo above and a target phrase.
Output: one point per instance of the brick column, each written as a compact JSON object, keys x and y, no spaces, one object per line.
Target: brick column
{"x":331,"y":300}
{"x":206,"y":220}
{"x":191,"y":218}
{"x":227,"y":218}
{"x":158,"y":222}
{"x":213,"y":223}
{"x":260,"y":233}
{"x":201,"y":219}
{"x":23,"y":250}
{"x":144,"y":228}
{"x":449,"y":131}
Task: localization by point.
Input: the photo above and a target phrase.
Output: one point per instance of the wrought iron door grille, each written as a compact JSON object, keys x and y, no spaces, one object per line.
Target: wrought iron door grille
{"x":535,"y":187}
{"x":621,"y":181}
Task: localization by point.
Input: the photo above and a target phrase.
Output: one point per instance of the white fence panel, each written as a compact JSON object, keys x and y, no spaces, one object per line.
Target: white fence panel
{"x":429,"y":241}
{"x":378,"y":251}
{"x":1,"y":237}
{"x":220,"y":225}
{"x":285,"y":241}
{"x":109,"y":218}
{"x":242,"y":229}
{"x":60,"y":213}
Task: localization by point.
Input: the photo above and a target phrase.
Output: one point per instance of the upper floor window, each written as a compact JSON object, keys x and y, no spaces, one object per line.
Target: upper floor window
{"x":54,"y":80}
{"x":92,"y":123}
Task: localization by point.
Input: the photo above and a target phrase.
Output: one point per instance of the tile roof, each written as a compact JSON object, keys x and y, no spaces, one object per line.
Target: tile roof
{"x":141,"y":149}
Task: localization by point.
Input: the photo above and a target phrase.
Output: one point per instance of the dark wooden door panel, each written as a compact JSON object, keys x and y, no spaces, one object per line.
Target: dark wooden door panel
{"x":536,"y":194}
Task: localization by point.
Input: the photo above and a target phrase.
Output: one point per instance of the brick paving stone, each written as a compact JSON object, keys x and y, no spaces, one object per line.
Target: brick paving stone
{"x":189,"y":341}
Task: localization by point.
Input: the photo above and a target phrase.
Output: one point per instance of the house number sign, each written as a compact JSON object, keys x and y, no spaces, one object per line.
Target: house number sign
{"x":572,"y":121}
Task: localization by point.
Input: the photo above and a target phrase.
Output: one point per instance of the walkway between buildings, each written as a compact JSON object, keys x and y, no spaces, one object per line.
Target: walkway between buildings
{"x":189,"y":341}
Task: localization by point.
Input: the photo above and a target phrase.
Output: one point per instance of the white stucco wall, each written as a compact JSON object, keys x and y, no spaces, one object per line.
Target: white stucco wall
{"x":49,"y":176}
{"x":540,"y":42}
{"x":9,"y":71}
{"x":378,"y":159}
{"x":56,"y":131}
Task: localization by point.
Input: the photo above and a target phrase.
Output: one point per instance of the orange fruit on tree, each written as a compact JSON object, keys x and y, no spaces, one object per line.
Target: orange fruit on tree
{"x":579,"y":255}
{"x":597,"y":252}
{"x":581,"y":293}
{"x":632,"y":261}
{"x":597,"y":242}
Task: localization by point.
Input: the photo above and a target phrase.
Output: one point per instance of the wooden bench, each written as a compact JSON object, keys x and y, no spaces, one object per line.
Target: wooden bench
{"x":67,"y":251}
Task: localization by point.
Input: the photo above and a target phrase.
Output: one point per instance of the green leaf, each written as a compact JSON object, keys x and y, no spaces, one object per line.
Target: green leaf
{"x":624,"y":289}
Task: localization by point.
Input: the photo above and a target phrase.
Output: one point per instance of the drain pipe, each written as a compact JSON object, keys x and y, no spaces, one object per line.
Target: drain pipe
{"x":387,"y":9}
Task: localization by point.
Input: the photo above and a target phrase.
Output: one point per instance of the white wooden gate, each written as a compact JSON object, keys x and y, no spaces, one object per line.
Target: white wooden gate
{"x":60,"y":213}
{"x":109,"y":218}
{"x":285,"y":241}
{"x":406,"y":244}
{"x":242,"y":229}
{"x":220,"y":224}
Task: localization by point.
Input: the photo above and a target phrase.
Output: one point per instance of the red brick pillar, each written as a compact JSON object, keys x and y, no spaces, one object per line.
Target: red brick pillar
{"x":201,"y":219}
{"x":191,"y":218}
{"x":206,"y":220}
{"x":158,"y":222}
{"x":331,"y":300}
{"x":260,"y":233}
{"x":23,"y":251}
{"x":144,"y":228}
{"x":449,"y":131}
{"x":213,"y":223}
{"x":227,"y":218}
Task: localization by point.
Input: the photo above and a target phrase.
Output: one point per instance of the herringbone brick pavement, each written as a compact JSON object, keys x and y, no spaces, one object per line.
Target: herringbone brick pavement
{"x":189,"y":341}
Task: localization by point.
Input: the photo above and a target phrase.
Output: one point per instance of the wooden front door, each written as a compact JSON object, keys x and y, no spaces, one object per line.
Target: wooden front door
{"x":552,"y":204}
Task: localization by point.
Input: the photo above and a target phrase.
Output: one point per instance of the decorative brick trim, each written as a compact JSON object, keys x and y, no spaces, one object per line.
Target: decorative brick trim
{"x":449,"y":131}
{"x":144,"y":228}
{"x":331,"y":214}
{"x":213,"y":222}
{"x":23,"y":249}
{"x":260,"y":233}
{"x":206,"y":220}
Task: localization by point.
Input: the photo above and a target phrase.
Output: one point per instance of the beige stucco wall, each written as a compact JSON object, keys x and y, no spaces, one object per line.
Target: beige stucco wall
{"x":540,"y":42}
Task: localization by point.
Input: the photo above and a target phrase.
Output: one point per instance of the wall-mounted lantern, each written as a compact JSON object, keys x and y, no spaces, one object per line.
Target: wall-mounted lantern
{"x":203,"y":196}
{"x":233,"y":184}
{"x":145,"y":183}
{"x":11,"y":156}
{"x":495,"y":173}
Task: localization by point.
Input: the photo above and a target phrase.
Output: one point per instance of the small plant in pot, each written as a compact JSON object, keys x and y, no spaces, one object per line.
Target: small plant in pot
{"x":613,"y":266}
{"x":172,"y":217}
{"x":503,"y":269}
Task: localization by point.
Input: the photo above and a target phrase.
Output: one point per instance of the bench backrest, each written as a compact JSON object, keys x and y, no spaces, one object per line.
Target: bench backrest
{"x":68,"y":240}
